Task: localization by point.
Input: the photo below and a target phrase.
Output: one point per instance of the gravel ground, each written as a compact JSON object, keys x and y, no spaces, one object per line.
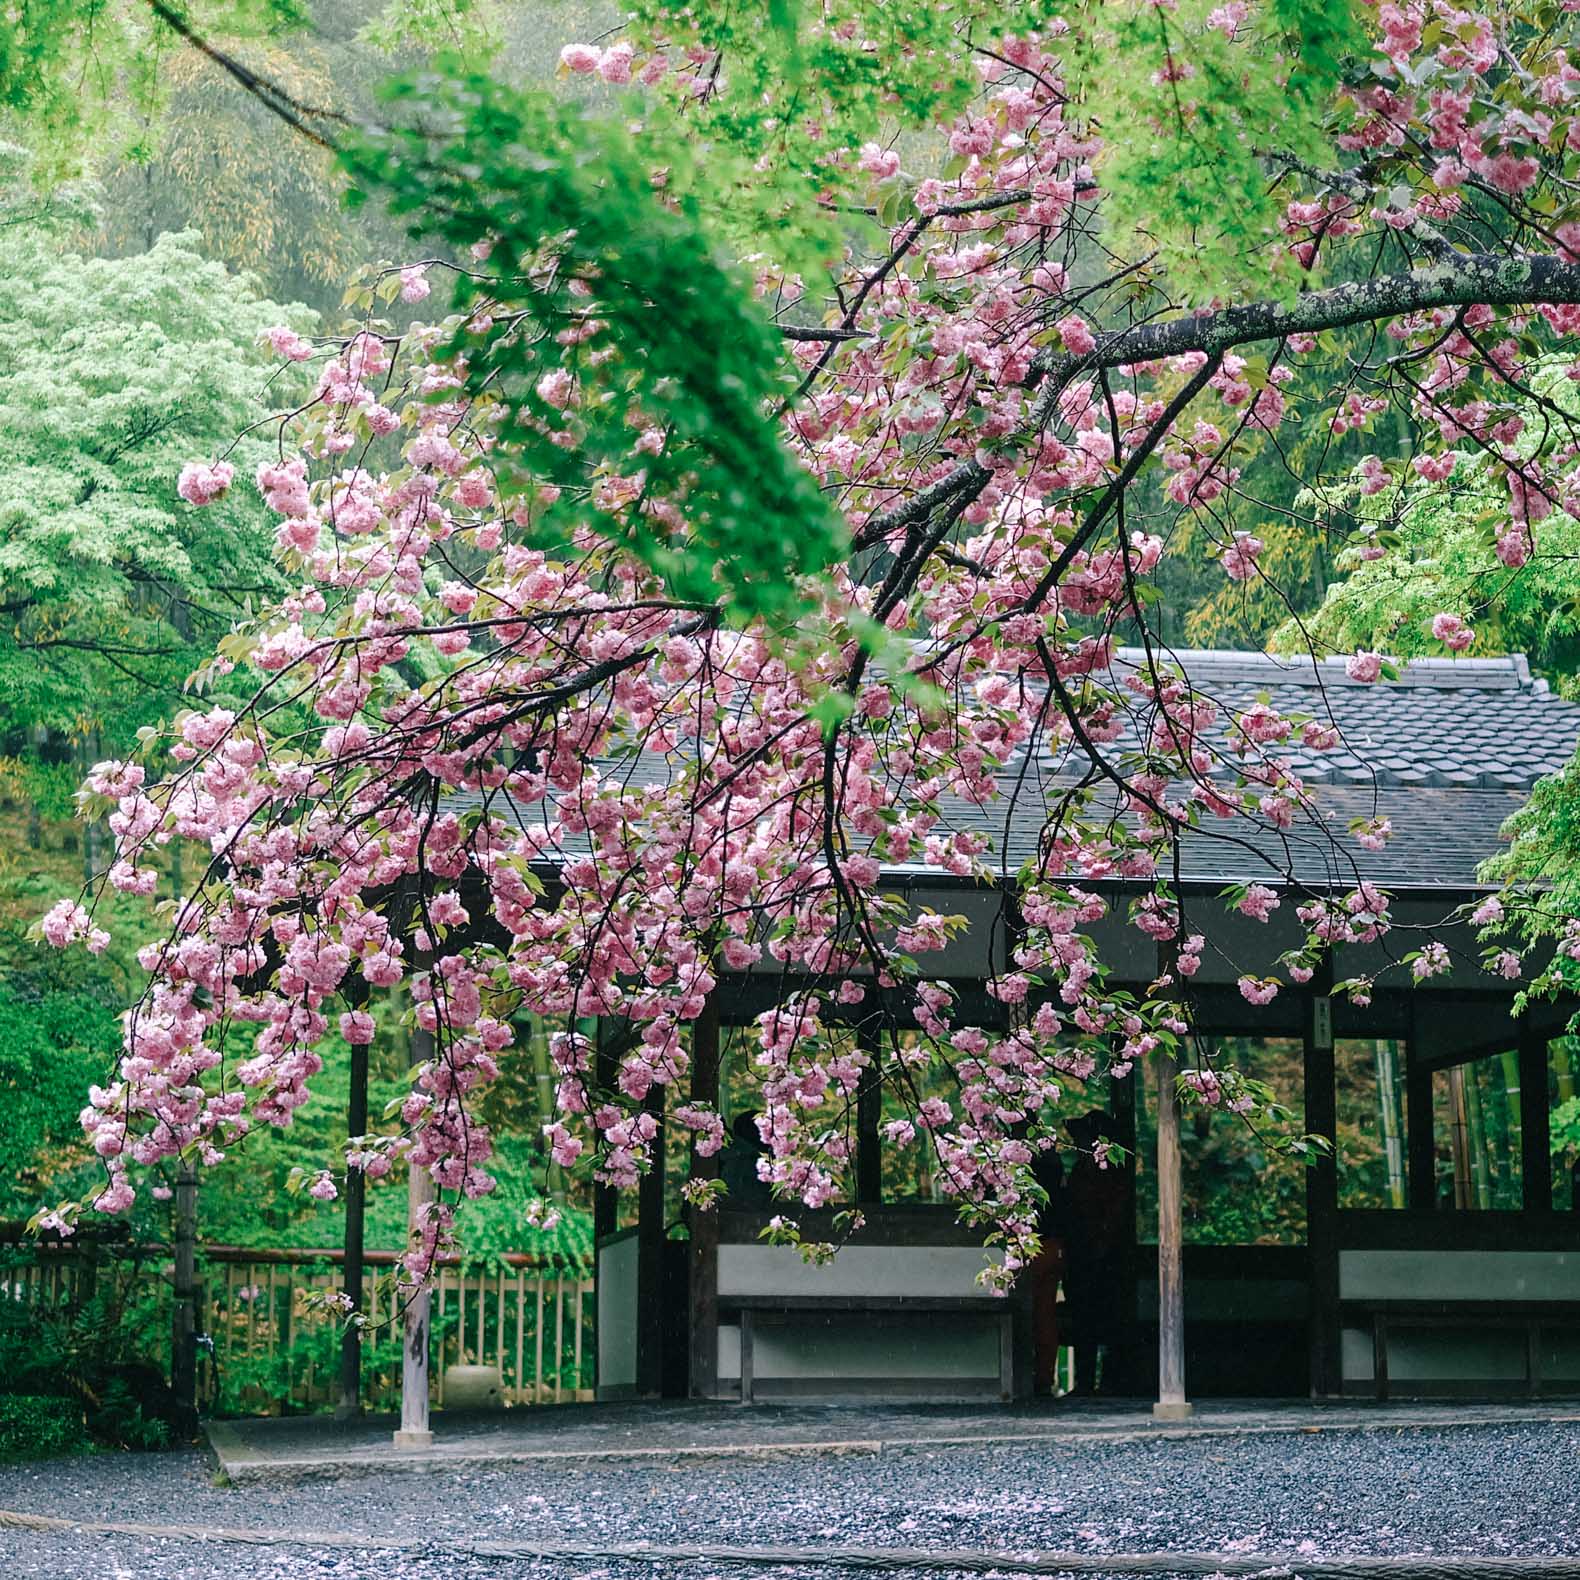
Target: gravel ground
{"x":1484,"y":1491}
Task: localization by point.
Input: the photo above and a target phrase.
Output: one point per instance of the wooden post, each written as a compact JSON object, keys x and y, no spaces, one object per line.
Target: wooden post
{"x":1171,"y":1403}
{"x":703,"y":1270}
{"x":1122,"y":1105}
{"x":349,"y":1405}
{"x":1420,"y":1147}
{"x":1535,"y":1122}
{"x":869,"y":1120}
{"x":650,"y":1237}
{"x":183,"y":1310}
{"x":1322,"y":1188}
{"x":414,"y":1430}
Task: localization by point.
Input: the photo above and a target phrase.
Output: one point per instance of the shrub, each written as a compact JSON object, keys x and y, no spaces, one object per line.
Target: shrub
{"x":37,"y":1426}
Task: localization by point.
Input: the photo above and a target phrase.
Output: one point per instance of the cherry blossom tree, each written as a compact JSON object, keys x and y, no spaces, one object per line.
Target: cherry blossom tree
{"x":641,"y":626}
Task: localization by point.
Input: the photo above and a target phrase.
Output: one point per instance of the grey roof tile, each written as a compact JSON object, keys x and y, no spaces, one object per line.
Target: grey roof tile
{"x":1447,"y":754}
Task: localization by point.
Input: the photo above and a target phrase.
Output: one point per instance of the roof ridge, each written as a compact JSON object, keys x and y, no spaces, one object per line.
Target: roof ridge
{"x":1496,"y":672}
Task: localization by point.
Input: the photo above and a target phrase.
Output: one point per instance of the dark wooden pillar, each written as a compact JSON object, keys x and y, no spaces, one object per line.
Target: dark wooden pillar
{"x":183,"y":1310}
{"x":869,"y":1120}
{"x":1322,"y":1188}
{"x":1418,"y":1121}
{"x":650,"y":1261}
{"x":349,"y":1405}
{"x":1122,"y":1105}
{"x":1535,"y":1122}
{"x":703,"y":1261}
{"x":606,"y":1199}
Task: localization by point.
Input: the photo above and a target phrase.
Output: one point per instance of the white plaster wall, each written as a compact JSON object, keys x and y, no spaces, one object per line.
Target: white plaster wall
{"x":1356,"y":1355}
{"x":858,"y":1270}
{"x":617,"y":1314}
{"x":947,"y":1346}
{"x":1459,"y":1275}
{"x":1465,"y":1354}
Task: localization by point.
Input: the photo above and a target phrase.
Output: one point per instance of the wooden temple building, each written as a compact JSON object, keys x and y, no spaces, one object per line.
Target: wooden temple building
{"x":1436,"y":1252}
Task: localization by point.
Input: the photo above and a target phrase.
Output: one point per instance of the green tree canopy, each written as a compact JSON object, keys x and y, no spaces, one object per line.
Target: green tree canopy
{"x":116,"y":372}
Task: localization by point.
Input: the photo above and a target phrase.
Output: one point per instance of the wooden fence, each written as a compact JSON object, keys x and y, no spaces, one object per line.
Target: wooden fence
{"x":276,"y":1349}
{"x":273,"y":1351}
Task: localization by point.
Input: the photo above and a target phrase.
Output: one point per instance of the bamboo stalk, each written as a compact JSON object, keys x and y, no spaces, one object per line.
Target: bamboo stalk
{"x":499,"y":1322}
{"x":537,"y":1339}
{"x":1476,"y":1137}
{"x":1386,"y":1054}
{"x":521,"y":1332}
{"x":1511,"y":1154}
{"x":1560,"y":1060}
{"x":438,"y":1316}
{"x":559,"y":1336}
{"x":581,"y":1314}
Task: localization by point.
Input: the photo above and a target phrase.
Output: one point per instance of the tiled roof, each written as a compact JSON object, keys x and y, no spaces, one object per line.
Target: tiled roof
{"x":1473,"y":723}
{"x":1446,"y":753}
{"x":1440,"y":837}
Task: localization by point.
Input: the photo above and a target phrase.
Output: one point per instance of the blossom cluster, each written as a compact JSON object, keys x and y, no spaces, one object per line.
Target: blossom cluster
{"x":537,"y":783}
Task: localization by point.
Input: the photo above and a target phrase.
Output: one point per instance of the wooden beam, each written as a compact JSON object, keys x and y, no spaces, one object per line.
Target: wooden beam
{"x":703,"y":1258}
{"x":606,"y":1199}
{"x":1122,"y":1105}
{"x":869,"y":1117}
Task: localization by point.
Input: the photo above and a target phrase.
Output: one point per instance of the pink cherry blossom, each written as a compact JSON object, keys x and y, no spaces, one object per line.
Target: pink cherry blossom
{"x":202,"y":483}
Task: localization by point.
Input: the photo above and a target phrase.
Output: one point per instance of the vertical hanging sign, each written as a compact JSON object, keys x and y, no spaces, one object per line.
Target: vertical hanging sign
{"x":1322,"y":1023}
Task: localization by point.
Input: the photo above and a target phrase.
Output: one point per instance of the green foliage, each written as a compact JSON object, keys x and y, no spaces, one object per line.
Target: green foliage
{"x":96,"y":1344}
{"x":1243,"y":1184}
{"x":567,"y":203}
{"x":33,"y":1426}
{"x":1442,"y":559}
{"x":89,"y":71}
{"x":1181,"y":164}
{"x":1565,"y":1122}
{"x":54,"y":1043}
{"x":799,"y":86}
{"x":1440,"y":541}
{"x":117,"y":372}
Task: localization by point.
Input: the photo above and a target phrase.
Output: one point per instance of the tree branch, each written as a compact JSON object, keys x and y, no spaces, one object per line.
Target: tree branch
{"x":1461,"y":281}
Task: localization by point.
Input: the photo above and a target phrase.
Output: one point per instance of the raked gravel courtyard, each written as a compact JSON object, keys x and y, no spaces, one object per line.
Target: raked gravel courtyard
{"x":1491,"y":1491}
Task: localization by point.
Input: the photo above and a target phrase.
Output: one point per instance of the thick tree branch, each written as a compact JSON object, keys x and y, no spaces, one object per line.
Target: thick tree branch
{"x":1461,"y":281}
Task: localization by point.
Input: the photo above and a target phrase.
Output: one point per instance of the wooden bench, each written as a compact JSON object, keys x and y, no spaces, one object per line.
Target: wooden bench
{"x":905,"y":1265}
{"x":754,"y":1312}
{"x":1529,"y":1319}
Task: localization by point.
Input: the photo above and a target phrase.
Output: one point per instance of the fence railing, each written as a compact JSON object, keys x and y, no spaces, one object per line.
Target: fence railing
{"x":532,"y":1320}
{"x":276,"y":1349}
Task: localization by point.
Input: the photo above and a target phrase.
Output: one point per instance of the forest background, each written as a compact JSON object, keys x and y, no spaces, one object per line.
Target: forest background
{"x":136,"y":295}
